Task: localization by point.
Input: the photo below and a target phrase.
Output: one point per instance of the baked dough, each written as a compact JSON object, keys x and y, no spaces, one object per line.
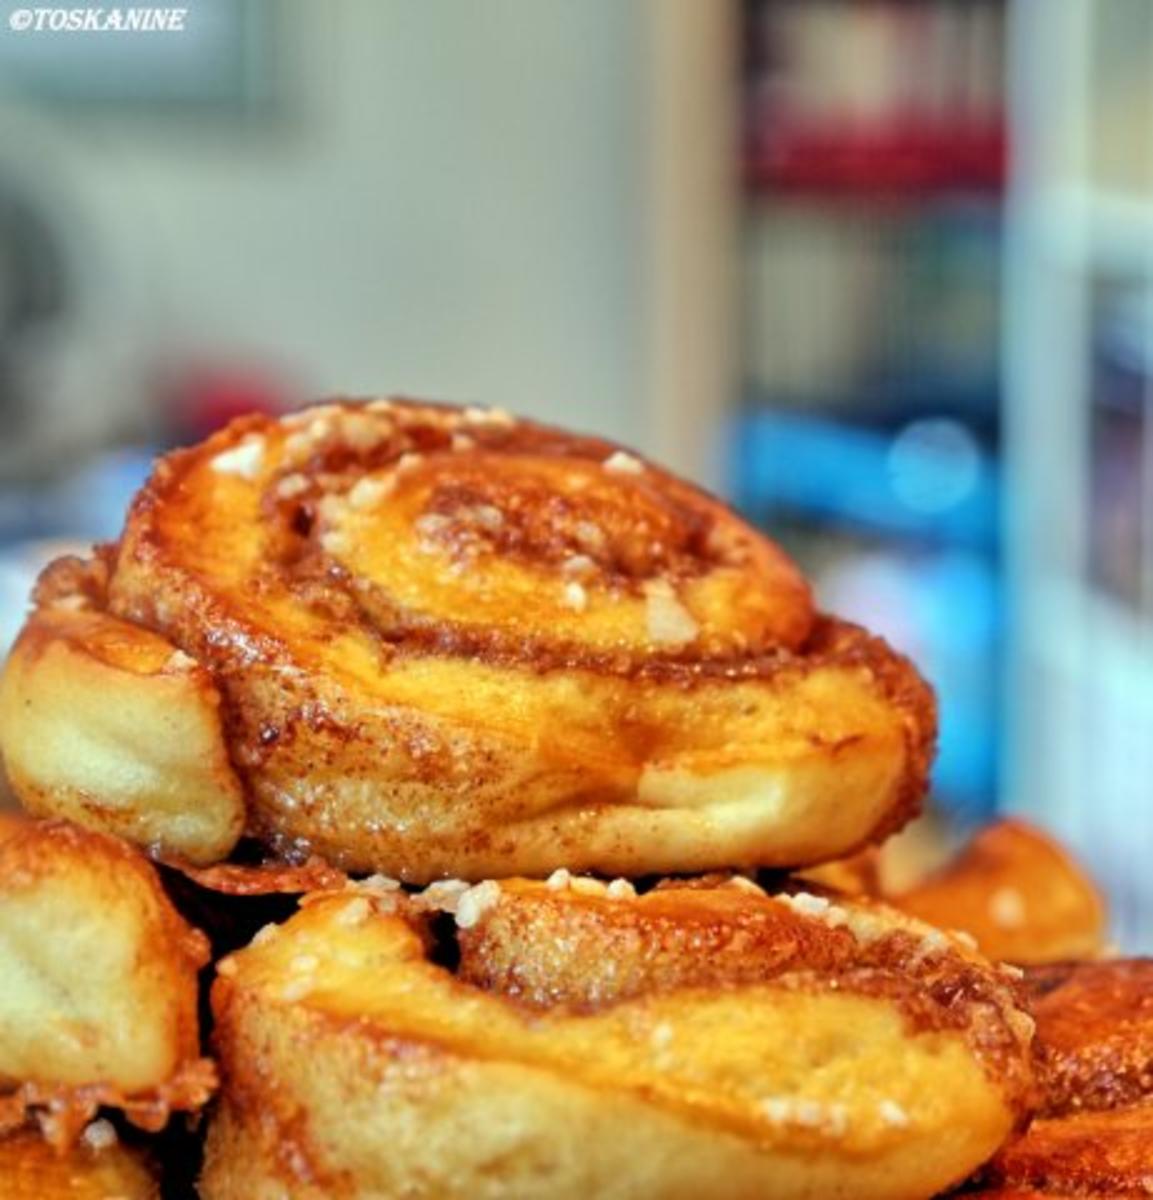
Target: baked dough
{"x":444,"y":642}
{"x":97,"y":1168}
{"x":1087,"y":1154}
{"x":99,"y":998}
{"x":1094,"y":1033}
{"x":1020,"y":893}
{"x":571,"y":1039}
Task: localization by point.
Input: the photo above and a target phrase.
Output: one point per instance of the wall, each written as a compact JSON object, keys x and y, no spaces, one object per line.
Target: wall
{"x":447,"y":199}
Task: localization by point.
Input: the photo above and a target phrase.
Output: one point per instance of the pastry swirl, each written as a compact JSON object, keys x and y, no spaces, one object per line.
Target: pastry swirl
{"x":593,"y":1042}
{"x":447,"y":642}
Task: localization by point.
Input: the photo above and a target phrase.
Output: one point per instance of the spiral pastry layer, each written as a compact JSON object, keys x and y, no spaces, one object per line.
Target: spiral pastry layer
{"x":572,"y":1039}
{"x":435,"y":641}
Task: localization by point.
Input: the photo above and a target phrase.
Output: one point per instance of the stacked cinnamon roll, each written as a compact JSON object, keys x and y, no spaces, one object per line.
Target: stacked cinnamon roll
{"x":525,"y":722}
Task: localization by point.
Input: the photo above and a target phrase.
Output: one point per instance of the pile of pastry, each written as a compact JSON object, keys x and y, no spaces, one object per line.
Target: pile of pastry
{"x":424,"y":802}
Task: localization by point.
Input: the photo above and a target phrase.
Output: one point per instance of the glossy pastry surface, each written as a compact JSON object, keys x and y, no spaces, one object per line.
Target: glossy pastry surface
{"x":435,"y":641}
{"x":1021,"y":894}
{"x":1094,"y":1033}
{"x":573,"y":1039}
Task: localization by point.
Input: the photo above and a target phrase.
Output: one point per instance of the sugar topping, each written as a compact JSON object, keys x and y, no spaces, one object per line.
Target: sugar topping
{"x":379,"y":884}
{"x":892,"y":1114}
{"x":585,"y":885}
{"x":310,"y":435}
{"x":360,"y":431}
{"x":818,"y":908}
{"x":487,"y":516}
{"x":577,"y":564}
{"x":297,"y":988}
{"x":590,"y":536}
{"x":354,"y":913}
{"x":306,"y":418}
{"x":623,"y":464}
{"x":668,"y":620}
{"x":932,"y":942}
{"x":370,"y":491}
{"x":496,"y":417}
{"x":292,"y":486}
{"x":243,"y":460}
{"x":475,"y":902}
{"x":429,"y":526}
{"x":575,"y":596}
{"x":443,"y":895}
{"x":829,"y":1119}
{"x":99,"y":1135}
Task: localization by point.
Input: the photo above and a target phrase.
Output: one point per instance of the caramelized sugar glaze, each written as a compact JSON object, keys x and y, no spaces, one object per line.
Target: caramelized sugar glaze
{"x":1094,"y":1056}
{"x":437,"y":641}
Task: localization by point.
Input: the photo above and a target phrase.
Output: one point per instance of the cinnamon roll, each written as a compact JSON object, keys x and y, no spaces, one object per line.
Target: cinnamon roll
{"x":1094,"y":1033}
{"x":1018,"y":892}
{"x":571,"y":1038}
{"x":435,"y":641}
{"x":1086,"y":1154}
{"x":1094,"y":1056}
{"x":99,"y":999}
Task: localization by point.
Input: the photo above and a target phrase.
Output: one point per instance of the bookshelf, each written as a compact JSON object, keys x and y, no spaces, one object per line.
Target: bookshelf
{"x":873,"y":165}
{"x":1079,"y":437}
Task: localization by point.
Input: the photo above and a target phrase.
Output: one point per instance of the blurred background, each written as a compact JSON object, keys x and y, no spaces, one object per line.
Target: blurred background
{"x":880,"y":271}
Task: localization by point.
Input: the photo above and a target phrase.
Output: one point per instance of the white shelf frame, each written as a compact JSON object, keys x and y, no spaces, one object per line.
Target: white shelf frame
{"x":1080,"y":670}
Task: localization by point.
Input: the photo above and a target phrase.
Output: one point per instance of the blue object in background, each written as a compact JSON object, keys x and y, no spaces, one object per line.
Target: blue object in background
{"x":913,"y":512}
{"x":38,"y":524}
{"x":929,"y":480}
{"x":87,"y":504}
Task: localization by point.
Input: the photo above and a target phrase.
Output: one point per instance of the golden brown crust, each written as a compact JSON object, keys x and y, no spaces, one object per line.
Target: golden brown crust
{"x":99,"y":1003}
{"x":654,"y":1061}
{"x":1094,"y":1051}
{"x":1018,"y":892}
{"x":31,"y":1169}
{"x":1092,"y":1154}
{"x":265,"y":879}
{"x":108,"y":725}
{"x":449,"y":642}
{"x":1094,"y":1033}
